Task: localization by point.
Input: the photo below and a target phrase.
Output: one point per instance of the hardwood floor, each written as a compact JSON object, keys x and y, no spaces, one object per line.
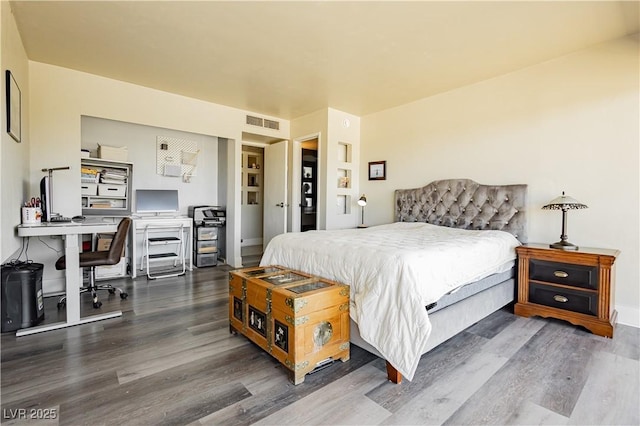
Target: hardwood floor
{"x":171,"y":360}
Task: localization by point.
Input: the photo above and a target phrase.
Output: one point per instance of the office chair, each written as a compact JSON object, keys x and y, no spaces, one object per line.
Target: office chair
{"x":91,"y":259}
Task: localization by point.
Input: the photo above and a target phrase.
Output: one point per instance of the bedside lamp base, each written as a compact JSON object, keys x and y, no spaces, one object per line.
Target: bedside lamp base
{"x":564,"y":245}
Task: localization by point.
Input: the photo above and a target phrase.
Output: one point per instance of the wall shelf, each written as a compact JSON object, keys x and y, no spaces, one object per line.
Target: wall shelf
{"x":106,"y":187}
{"x":251,"y":178}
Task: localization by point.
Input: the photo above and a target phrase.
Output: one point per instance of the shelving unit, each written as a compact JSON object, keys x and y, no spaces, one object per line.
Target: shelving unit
{"x":252,"y":195}
{"x":163,"y":249}
{"x":345,"y":168}
{"x":106,"y":187}
{"x":252,"y":177}
{"x":309,"y":189}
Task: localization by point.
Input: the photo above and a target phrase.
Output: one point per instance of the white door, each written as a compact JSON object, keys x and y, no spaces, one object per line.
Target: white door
{"x":275,"y":191}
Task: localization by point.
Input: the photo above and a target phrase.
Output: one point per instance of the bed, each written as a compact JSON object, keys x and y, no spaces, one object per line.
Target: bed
{"x":444,"y":264}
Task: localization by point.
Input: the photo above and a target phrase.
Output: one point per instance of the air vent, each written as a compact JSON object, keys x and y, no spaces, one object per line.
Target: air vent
{"x":254,"y":121}
{"x":268,"y":124}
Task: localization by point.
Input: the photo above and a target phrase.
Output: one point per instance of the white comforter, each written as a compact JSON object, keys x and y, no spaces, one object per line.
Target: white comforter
{"x":394,"y":271}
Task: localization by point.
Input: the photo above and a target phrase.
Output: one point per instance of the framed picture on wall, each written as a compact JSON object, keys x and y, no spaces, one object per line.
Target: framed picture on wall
{"x":377,"y":170}
{"x":14,"y":105}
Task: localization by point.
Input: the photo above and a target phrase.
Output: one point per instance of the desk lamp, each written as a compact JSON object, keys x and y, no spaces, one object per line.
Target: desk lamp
{"x":46,"y":188}
{"x":362,"y":202}
{"x":564,"y":203}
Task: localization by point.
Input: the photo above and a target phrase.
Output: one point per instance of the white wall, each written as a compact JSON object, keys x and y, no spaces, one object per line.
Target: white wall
{"x":343,"y":128}
{"x":302,"y":128}
{"x":141,"y":146}
{"x":14,"y":157}
{"x":60,"y":97}
{"x":331,"y":127}
{"x":571,"y":124}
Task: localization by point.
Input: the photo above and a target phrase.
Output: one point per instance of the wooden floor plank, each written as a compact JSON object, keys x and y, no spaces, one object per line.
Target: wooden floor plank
{"x":493,"y":324}
{"x":548,"y":371}
{"x":533,"y":414}
{"x":611,"y":394}
{"x":514,"y":336}
{"x":278,"y":393}
{"x":440,"y":400}
{"x":326,"y":406}
{"x":162,"y":394}
{"x":146,"y":363}
{"x":432,"y":367}
{"x":178,"y":364}
{"x":436,"y":403}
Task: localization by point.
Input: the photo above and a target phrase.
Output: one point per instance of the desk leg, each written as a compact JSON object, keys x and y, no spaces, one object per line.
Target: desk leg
{"x":73,"y":278}
{"x":133,"y":242}
{"x":190,"y":246}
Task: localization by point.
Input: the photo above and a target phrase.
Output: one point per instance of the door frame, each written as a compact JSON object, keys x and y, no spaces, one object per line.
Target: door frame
{"x":257,"y":145}
{"x":296,"y":177}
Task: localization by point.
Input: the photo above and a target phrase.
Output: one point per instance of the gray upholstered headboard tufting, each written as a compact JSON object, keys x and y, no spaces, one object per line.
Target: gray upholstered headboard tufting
{"x":463,"y":203}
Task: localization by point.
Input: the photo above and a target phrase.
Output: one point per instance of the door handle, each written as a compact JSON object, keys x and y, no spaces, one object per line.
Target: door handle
{"x":281,"y":205}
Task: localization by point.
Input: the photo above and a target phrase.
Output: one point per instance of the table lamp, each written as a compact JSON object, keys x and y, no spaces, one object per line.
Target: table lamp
{"x":564,"y":203}
{"x":362,"y":202}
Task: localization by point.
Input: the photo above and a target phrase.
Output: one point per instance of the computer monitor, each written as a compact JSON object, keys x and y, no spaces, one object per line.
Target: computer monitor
{"x":157,"y":201}
{"x":46,"y":197}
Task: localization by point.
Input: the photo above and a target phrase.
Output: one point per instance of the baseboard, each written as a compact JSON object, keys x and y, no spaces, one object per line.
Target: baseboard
{"x":235,"y":262}
{"x":53,"y":286}
{"x":251,"y":242}
{"x":628,"y":315}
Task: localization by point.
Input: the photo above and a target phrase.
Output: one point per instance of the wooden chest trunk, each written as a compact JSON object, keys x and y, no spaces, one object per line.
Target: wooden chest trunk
{"x":301,"y":320}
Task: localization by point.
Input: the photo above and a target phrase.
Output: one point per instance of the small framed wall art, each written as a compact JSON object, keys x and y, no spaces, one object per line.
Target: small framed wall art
{"x":377,"y":170}
{"x":14,"y":105}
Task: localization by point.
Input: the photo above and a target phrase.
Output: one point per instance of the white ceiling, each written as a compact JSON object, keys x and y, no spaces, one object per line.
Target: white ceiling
{"x":288,"y":59}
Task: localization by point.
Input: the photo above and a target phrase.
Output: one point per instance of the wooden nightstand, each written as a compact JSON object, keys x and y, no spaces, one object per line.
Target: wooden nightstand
{"x":576,"y":286}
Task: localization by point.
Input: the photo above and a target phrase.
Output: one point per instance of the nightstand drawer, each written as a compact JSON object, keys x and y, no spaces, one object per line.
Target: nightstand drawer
{"x":563,"y":273}
{"x":562,"y":298}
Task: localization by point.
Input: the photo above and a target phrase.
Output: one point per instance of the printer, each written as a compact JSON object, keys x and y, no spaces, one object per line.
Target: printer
{"x":208,"y":215}
{"x":208,"y":234}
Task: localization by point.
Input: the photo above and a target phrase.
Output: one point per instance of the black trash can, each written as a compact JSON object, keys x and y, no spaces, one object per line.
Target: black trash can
{"x":22,"y":298}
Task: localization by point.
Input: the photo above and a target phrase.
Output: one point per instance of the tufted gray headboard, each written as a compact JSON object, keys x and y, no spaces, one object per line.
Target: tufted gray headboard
{"x":463,"y":203}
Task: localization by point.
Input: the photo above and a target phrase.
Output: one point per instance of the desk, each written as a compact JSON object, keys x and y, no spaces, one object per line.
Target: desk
{"x":73,"y":274}
{"x":157,"y":222}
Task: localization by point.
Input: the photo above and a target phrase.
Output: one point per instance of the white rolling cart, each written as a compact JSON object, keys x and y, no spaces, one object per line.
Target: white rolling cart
{"x":156,"y":240}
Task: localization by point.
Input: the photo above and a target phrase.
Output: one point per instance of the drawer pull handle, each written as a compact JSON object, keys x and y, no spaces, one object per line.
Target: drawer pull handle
{"x":560,"y":299}
{"x":560,"y":274}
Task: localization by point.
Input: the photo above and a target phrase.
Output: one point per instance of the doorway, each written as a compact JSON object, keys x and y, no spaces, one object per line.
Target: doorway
{"x":309,"y":186}
{"x":251,"y":204}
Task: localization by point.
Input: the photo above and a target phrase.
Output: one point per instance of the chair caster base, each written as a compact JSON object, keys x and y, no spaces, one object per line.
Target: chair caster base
{"x":97,"y":305}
